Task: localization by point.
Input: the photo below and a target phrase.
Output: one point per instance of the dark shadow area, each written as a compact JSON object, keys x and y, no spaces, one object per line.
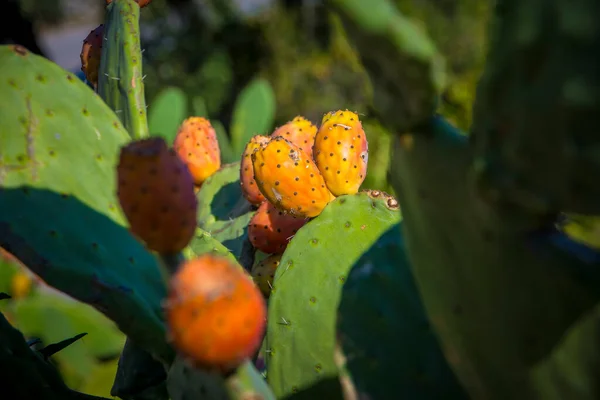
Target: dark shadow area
{"x":328,"y":388}
{"x":226,"y":202}
{"x":16,"y":28}
{"x":139,"y":375}
{"x":380,"y":300}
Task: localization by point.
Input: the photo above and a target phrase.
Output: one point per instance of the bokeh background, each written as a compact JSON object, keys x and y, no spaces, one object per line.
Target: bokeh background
{"x":200,"y":55}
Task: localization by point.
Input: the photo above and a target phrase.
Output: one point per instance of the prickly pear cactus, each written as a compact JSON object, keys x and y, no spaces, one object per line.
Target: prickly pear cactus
{"x":504,"y":301}
{"x":388,"y":345}
{"x":57,"y":160}
{"x":308,"y":284}
{"x":406,"y":70}
{"x":224,"y":213}
{"x":120,"y":80}
{"x":536,"y":114}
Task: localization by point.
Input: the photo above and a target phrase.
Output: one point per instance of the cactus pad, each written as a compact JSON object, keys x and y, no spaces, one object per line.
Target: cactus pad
{"x":308,"y":284}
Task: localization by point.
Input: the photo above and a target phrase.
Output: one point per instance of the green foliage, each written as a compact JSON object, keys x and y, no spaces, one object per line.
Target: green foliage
{"x":168,"y":111}
{"x":253,"y":114}
{"x":308,"y":285}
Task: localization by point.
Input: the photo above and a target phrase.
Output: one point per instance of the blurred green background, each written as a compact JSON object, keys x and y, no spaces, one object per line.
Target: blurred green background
{"x":200,"y":55}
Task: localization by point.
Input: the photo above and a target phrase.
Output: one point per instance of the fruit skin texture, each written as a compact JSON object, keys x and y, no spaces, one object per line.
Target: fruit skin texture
{"x":270,"y":229}
{"x":263,"y":273}
{"x":289,"y":179}
{"x":215,"y":312}
{"x":90,"y":54}
{"x":141,"y":3}
{"x":249,"y":189}
{"x":341,"y":152}
{"x":300,"y":132}
{"x":196,"y":144}
{"x":156,"y":192}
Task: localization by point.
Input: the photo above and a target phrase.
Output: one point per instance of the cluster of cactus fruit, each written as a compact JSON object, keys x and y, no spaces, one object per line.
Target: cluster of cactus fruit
{"x":213,"y":270}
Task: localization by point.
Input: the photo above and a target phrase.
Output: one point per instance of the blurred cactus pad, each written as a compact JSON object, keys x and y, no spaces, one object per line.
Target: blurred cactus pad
{"x":312,"y":199}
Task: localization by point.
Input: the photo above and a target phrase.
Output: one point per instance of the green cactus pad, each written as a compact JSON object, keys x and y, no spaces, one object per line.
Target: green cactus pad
{"x":120,"y":78}
{"x":504,"y":306}
{"x":66,"y":143}
{"x":406,"y":70}
{"x":57,"y":160}
{"x":384,"y":332}
{"x":88,"y":256}
{"x":223,"y":212}
{"x":203,"y":243}
{"x":253,"y":114}
{"x":52,"y":317}
{"x":166,"y":113}
{"x":536,"y":118}
{"x":308,"y":284}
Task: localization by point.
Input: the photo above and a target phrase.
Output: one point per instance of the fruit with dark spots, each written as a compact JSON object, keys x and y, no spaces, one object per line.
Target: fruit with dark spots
{"x":215,"y":313}
{"x":263,"y":273}
{"x":156,"y":193}
{"x":197,"y":145}
{"x":270,"y":229}
{"x":300,"y":132}
{"x":249,"y":189}
{"x":289,"y":179}
{"x":90,"y":54}
{"x":341,"y":152}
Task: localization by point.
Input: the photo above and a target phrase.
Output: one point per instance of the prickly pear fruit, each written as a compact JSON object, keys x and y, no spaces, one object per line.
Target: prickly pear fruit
{"x":141,"y":3}
{"x":270,"y":229}
{"x":215,"y":313}
{"x":247,"y":182}
{"x":90,"y":54}
{"x":196,"y":144}
{"x":300,"y":132}
{"x":263,"y":273}
{"x":289,"y":179}
{"x":341,"y":152}
{"x":156,"y":192}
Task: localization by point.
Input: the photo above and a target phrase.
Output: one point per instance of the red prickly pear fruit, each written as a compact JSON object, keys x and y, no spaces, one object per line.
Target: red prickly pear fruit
{"x":90,"y":54}
{"x":289,"y":179}
{"x":341,"y":152}
{"x":197,"y":145}
{"x":156,"y":193}
{"x":141,"y":3}
{"x":270,"y":229}
{"x":247,"y":182}
{"x":263,"y":273}
{"x":300,"y":132}
{"x":215,"y":313}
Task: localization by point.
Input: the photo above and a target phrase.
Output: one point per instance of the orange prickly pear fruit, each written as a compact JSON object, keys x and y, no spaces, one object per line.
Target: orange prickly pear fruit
{"x":289,"y":179}
{"x":90,"y":54}
{"x":341,"y":152}
{"x":300,"y":132}
{"x":141,"y":3}
{"x":247,"y":182}
{"x":263,"y":273}
{"x":270,"y":229}
{"x":196,"y":144}
{"x":215,"y":313}
{"x":156,"y":192}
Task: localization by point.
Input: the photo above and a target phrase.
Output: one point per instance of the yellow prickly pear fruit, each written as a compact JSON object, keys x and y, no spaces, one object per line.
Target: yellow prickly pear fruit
{"x":289,"y":179}
{"x":341,"y":152}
